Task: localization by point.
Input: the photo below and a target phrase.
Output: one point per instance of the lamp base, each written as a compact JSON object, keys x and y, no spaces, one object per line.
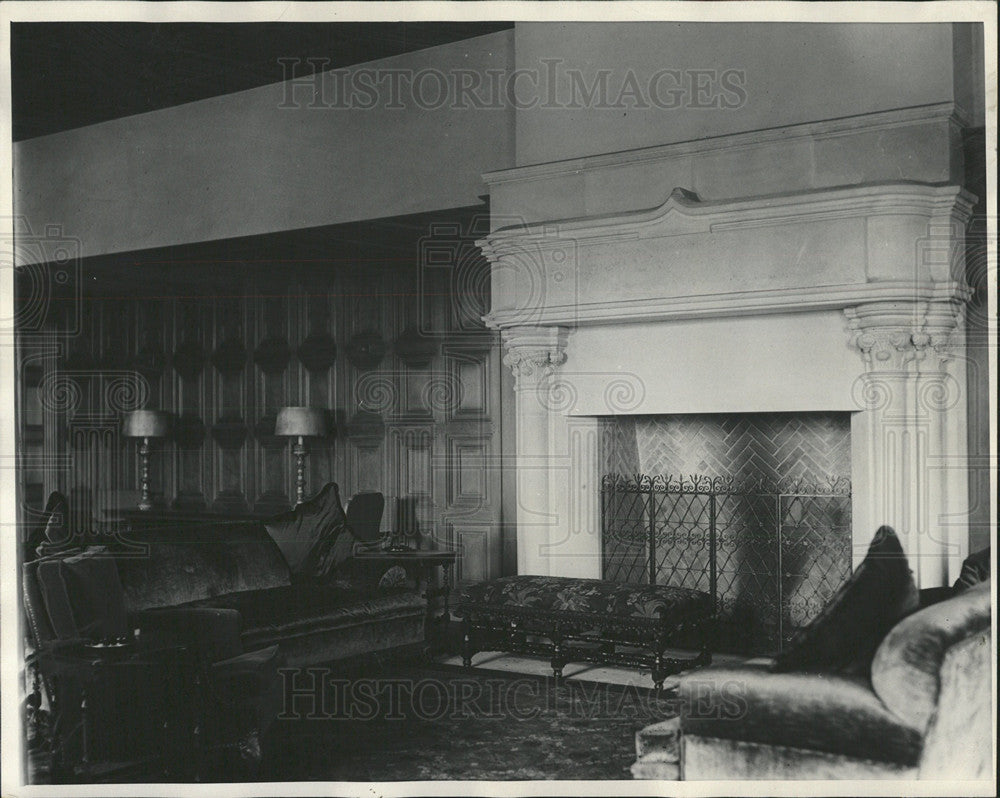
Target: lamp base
{"x":145,"y":506}
{"x":299,"y":450}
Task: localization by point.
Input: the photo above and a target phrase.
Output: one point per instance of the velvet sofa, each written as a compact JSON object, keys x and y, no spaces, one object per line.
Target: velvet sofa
{"x":242,"y":597}
{"x":239,"y":566}
{"x":923,"y":711}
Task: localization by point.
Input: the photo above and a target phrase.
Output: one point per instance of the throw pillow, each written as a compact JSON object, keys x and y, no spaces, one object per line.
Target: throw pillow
{"x":314,"y":537}
{"x":844,"y":636}
{"x":975,"y":569}
{"x":52,"y":531}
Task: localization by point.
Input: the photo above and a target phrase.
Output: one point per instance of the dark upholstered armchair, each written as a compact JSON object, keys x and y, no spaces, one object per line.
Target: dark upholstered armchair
{"x":223,"y":694}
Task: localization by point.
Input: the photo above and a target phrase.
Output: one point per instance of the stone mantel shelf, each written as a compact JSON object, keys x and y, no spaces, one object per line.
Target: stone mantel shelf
{"x":829,"y":128}
{"x":815,"y":250}
{"x":746,"y":303}
{"x":684,"y":213}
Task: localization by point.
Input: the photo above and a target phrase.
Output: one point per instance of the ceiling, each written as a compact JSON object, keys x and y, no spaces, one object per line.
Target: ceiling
{"x":67,"y":75}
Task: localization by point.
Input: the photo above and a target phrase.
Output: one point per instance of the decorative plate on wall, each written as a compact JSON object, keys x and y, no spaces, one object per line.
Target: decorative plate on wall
{"x":366,"y":350}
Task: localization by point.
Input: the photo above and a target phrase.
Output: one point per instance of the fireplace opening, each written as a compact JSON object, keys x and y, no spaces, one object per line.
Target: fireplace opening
{"x":766,"y":497}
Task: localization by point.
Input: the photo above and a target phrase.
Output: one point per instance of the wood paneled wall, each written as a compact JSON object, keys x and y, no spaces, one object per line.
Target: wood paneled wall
{"x":392,"y":346}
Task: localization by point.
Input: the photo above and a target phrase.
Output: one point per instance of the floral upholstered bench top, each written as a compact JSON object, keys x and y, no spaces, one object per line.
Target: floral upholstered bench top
{"x":558,"y":594}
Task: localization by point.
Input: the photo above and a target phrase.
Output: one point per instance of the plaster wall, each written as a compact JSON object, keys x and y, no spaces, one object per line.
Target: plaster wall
{"x":241,"y":164}
{"x":779,"y":75}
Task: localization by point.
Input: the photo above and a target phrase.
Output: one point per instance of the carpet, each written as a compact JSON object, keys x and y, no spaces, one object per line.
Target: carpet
{"x":443,"y":722}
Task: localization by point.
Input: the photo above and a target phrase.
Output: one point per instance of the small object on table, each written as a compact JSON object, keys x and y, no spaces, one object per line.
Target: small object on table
{"x":395,"y":543}
{"x":407,"y":534}
{"x":421,"y":564}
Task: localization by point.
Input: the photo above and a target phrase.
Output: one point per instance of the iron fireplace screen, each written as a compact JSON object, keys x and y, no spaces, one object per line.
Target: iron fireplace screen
{"x":781,"y":550}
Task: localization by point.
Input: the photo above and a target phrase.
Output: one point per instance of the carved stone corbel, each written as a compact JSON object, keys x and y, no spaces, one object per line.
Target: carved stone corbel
{"x":902,"y":336}
{"x":533,"y":353}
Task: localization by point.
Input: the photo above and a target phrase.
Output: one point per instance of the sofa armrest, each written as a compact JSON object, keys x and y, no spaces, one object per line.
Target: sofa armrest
{"x":906,"y":671}
{"x":825,"y":712}
{"x":213,"y":632}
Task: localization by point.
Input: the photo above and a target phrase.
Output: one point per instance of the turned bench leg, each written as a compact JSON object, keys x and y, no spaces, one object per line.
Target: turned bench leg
{"x":467,"y":647}
{"x":659,"y":670}
{"x":558,"y":661}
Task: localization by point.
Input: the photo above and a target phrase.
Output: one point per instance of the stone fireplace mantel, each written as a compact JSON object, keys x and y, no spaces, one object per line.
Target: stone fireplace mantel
{"x":833,"y":299}
{"x":687,"y":259}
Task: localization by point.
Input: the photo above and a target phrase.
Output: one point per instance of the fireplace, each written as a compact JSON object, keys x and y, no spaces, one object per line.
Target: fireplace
{"x":837,"y":302}
{"x":754,"y":508}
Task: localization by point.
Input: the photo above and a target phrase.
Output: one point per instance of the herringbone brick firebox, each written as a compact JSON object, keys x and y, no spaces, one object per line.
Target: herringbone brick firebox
{"x":776,"y":487}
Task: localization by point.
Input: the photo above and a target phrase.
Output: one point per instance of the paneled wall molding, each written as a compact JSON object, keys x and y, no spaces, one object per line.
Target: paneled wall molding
{"x":223,"y":346}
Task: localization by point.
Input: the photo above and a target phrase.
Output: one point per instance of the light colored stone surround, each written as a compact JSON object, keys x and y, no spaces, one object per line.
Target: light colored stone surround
{"x":848,"y":297}
{"x":920,"y":143}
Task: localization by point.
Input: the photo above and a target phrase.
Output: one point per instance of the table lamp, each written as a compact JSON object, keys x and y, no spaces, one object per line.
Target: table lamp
{"x":300,"y":423}
{"x":146,"y":424}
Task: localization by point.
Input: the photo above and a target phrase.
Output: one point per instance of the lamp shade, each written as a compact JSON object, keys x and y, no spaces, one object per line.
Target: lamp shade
{"x":304,"y":421}
{"x":146,"y":424}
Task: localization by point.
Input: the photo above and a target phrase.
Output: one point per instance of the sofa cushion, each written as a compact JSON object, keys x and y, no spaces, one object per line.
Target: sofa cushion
{"x":198,"y":560}
{"x":975,"y":569}
{"x":844,"y":636}
{"x":98,"y":599}
{"x":833,"y":713}
{"x":82,"y":596}
{"x":313,"y":537}
{"x":303,"y":609}
{"x":55,"y":598}
{"x":906,"y":670}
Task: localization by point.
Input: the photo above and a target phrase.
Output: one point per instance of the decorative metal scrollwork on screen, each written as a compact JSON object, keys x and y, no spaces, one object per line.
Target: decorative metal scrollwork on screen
{"x":702,"y":483}
{"x":782,"y":547}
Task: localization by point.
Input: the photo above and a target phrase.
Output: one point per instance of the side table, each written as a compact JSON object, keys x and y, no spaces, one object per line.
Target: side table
{"x":121,"y":709}
{"x":420,"y":566}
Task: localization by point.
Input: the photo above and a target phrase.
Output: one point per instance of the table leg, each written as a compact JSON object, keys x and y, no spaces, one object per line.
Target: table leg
{"x":436,"y":621}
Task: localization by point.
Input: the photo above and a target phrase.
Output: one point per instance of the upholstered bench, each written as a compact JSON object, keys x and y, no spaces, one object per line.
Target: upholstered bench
{"x":587,"y":620}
